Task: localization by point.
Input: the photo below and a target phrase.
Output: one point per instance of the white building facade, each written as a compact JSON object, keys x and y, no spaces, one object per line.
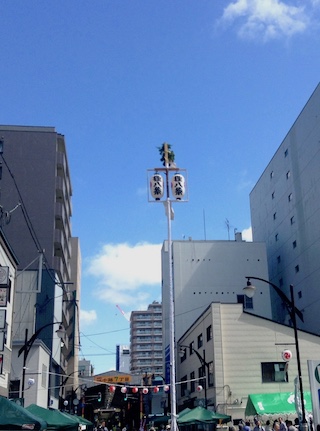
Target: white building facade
{"x":210,"y":271}
{"x":244,"y":356}
{"x":285,"y":211}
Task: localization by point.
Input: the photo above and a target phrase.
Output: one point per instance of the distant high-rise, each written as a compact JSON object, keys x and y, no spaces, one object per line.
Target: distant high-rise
{"x":285,"y":211}
{"x":35,"y":199}
{"x":123,"y":359}
{"x":146,"y":340}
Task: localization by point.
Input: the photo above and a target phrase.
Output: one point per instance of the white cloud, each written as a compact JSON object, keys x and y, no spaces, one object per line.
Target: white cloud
{"x":126,"y":273}
{"x":88,"y":317}
{"x":247,"y":234}
{"x":268,"y":19}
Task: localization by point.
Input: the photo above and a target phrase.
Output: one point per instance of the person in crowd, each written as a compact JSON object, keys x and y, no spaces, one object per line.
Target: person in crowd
{"x":268,"y":426}
{"x":276,"y":426}
{"x":247,"y":426}
{"x":283,"y":426}
{"x":258,"y":426}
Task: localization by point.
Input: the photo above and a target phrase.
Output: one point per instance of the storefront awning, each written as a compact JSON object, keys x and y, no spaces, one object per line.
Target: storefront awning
{"x":274,"y":403}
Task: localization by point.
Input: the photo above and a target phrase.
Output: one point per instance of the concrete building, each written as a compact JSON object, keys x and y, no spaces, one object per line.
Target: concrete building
{"x":207,"y":271}
{"x":123,"y":358}
{"x":243,"y":353}
{"x":285,"y":210}
{"x":146,"y":340}
{"x":35,"y":198}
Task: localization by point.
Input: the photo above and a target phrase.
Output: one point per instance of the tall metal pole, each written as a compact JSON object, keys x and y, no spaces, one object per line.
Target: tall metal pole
{"x":173,"y":393}
{"x":294,"y":322}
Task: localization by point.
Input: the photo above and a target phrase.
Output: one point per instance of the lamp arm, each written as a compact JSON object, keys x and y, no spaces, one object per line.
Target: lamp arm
{"x":27,"y":346}
{"x":203,"y":362}
{"x":290,"y":307}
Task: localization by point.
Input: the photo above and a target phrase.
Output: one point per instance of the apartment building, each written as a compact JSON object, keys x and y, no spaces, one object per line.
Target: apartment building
{"x":35,"y":199}
{"x":146,"y":340}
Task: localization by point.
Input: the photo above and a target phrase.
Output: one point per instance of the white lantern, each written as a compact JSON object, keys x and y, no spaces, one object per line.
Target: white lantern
{"x":124,"y":390}
{"x":199,"y":388}
{"x":145,"y":390}
{"x":166,"y":388}
{"x":286,"y":355}
{"x":178,"y":186}
{"x":156,"y":186}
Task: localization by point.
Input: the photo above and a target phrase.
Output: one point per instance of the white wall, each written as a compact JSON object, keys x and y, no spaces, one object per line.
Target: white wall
{"x":211,"y":271}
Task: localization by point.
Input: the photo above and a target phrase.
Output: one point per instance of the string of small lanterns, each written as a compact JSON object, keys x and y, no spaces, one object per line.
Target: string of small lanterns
{"x":145,"y":389}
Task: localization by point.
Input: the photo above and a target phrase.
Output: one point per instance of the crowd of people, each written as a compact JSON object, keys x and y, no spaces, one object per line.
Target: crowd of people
{"x":278,"y":425}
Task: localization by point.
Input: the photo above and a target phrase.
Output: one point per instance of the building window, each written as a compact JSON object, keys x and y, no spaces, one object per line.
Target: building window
{"x":209,"y":333}
{"x":271,"y":174}
{"x":272,"y":195}
{"x":281,"y":282}
{"x":183,"y":354}
{"x":274,"y":372}
{"x":274,"y":216}
{"x":292,"y":220}
{"x":286,"y":153}
{"x":294,"y":244}
{"x":288,"y":175}
{"x":279,"y":259}
{"x":192,"y":382}
{"x":290,"y":197}
{"x":201,"y":373}
{"x":299,"y":294}
{"x":245,"y":301}
{"x":200,"y":341}
{"x":296,"y":268}
{"x":276,"y":237}
{"x":191,"y":348}
{"x":184,"y":386}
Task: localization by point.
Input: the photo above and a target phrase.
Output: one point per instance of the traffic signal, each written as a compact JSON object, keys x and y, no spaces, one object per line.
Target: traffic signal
{"x":99,"y":397}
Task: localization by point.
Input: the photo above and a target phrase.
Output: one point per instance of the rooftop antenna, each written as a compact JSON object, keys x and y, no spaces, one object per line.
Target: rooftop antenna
{"x":228,"y":228}
{"x":204,"y":225}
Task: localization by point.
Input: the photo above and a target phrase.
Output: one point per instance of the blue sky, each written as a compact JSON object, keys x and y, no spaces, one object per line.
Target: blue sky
{"x":221,"y":81}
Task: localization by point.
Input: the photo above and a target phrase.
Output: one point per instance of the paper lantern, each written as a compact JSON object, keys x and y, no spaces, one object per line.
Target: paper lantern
{"x":199,"y":388}
{"x":156,"y":186}
{"x":178,"y":186}
{"x":134,"y":390}
{"x":156,"y":389}
{"x":166,"y":388}
{"x":145,"y":390}
{"x":124,"y":390}
{"x":112,"y":388}
{"x":286,"y":355}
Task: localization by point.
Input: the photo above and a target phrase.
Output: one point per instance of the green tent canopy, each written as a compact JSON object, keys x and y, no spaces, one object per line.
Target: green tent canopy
{"x":274,"y":403}
{"x":80,"y":420}
{"x":201,"y":415}
{"x":54,"y":418}
{"x":15,"y":417}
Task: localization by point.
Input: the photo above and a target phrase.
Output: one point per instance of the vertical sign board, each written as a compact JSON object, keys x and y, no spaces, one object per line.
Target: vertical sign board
{"x":314,"y":378}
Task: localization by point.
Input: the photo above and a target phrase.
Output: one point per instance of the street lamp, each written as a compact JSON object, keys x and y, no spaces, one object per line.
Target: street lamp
{"x":204,"y":365}
{"x":160,"y":194}
{"x":249,"y":291}
{"x":28,"y":344}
